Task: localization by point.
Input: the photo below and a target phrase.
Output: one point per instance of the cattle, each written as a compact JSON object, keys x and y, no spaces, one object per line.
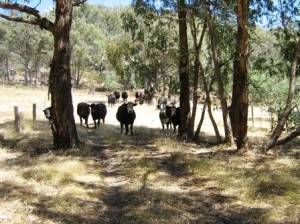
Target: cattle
{"x":48,"y":113}
{"x":175,"y":116}
{"x":138,"y":95}
{"x":98,"y":112}
{"x":117,"y":94}
{"x":111,"y":99}
{"x":83,"y":111}
{"x":124,"y":96}
{"x":162,"y":101}
{"x":165,"y":117}
{"x":126,"y":116}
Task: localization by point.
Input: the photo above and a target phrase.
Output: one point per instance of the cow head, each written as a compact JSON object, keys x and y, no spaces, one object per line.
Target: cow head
{"x":48,"y":113}
{"x":173,"y":111}
{"x":130,"y":106}
{"x":163,"y":111}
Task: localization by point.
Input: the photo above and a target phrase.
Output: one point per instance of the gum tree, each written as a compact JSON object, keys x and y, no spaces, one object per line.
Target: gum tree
{"x":63,"y":125}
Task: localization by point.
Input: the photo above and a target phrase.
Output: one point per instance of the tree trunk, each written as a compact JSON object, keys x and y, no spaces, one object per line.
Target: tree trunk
{"x":26,"y":71}
{"x":208,"y":102}
{"x":197,"y":132}
{"x":239,"y":106}
{"x":7,"y":70}
{"x":183,"y":70}
{"x":197,"y":48}
{"x":64,"y":131}
{"x":288,"y":107}
{"x":217,"y":73}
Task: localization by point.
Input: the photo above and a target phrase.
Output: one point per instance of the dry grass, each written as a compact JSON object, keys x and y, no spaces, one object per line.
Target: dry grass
{"x":146,"y":178}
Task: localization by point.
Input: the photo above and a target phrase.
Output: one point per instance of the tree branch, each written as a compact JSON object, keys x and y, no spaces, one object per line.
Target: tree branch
{"x":79,"y":2}
{"x":289,"y":137}
{"x":37,"y":19}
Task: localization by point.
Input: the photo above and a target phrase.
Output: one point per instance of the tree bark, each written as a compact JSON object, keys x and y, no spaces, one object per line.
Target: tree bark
{"x":272,"y":142}
{"x":239,"y":106}
{"x":64,"y":131}
{"x":183,"y":70}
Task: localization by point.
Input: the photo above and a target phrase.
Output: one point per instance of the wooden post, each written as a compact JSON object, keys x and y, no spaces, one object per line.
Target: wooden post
{"x":34,"y":112}
{"x":17,"y":120}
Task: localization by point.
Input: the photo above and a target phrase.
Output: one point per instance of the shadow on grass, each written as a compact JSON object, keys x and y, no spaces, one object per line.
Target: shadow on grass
{"x":153,"y":206}
{"x":120,"y":202}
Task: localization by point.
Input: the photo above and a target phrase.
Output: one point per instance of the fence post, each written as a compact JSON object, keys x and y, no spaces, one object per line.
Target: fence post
{"x":17,"y":120}
{"x":34,"y":112}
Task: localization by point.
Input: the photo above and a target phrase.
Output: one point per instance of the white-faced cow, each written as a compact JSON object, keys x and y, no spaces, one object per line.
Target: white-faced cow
{"x":162,"y":102}
{"x":165,"y":117}
{"x":98,"y":112}
{"x":48,"y":113}
{"x":175,"y":116}
{"x":126,"y":116}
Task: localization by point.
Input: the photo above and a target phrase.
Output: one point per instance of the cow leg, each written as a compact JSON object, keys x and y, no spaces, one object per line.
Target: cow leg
{"x":126,"y":127}
{"x":80,"y":121}
{"x":163,"y":126}
{"x":86,"y":122}
{"x":95,"y":123}
{"x":103,"y":120}
{"x":98,"y":123}
{"x":131,"y":129}
{"x":121,"y":127}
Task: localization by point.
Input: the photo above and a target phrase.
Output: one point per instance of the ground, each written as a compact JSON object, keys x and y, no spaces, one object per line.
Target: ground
{"x":146,"y":178}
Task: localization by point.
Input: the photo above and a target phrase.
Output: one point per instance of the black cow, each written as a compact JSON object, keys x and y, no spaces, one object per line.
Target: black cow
{"x":111,"y":99}
{"x":117,"y":94}
{"x":124,"y":96}
{"x":126,"y":116}
{"x":139,"y":97}
{"x":175,"y":116}
{"x":165,"y":117}
{"x":83,"y":111}
{"x":162,"y":101}
{"x":98,"y":112}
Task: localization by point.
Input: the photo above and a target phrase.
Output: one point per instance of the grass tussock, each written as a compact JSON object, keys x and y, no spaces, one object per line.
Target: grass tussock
{"x":277,"y":184}
{"x":58,"y":172}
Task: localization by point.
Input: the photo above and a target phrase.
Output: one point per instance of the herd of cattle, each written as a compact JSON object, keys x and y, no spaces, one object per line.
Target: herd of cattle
{"x":169,"y":114}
